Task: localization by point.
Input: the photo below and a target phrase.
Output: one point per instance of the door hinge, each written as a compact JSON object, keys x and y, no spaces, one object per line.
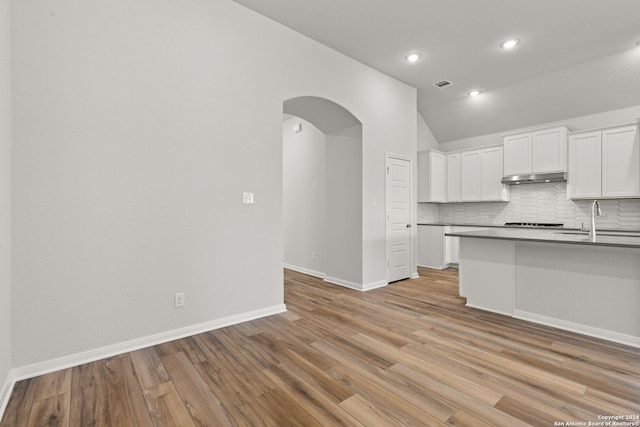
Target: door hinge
{"x":387,"y":170}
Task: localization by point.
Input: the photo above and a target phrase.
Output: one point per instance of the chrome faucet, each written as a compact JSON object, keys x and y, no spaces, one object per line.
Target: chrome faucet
{"x":595,"y":211}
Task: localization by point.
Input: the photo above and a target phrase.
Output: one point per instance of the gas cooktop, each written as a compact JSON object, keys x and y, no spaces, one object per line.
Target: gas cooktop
{"x":534,"y":224}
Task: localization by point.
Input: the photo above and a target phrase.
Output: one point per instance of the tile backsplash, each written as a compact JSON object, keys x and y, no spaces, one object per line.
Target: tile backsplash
{"x":536,"y":203}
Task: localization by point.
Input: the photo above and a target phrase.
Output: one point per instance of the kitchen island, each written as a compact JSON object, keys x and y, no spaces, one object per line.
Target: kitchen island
{"x":558,"y":278}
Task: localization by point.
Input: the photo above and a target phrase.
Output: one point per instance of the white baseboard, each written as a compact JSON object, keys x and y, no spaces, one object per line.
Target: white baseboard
{"x":374,"y":285}
{"x":415,"y":275}
{"x":343,"y":283}
{"x":323,"y":276}
{"x":305,"y":270}
{"x":435,"y":267}
{"x":506,"y":313}
{"x":576,"y":327}
{"x":358,"y":287}
{"x":340,"y":282}
{"x":5,"y":392}
{"x":65,"y":362}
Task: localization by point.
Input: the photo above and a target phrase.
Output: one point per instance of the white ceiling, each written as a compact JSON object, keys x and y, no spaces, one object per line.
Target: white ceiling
{"x":576,"y":57}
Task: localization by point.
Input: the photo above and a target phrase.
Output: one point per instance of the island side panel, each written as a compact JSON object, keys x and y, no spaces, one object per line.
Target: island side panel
{"x":487,"y":274}
{"x":592,"y":290}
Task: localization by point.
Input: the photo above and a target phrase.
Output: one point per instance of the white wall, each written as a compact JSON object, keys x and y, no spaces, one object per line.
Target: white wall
{"x":304,"y":197}
{"x":378,"y":140}
{"x":426,"y":140}
{"x":322,"y":180}
{"x":344,"y":207}
{"x":137,"y":126}
{"x":5,"y":199}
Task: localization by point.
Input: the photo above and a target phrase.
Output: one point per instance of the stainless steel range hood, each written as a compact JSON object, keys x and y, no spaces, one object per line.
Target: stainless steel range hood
{"x":535,"y":178}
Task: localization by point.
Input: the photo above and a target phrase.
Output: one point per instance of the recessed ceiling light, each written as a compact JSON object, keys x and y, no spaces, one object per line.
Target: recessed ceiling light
{"x":413,"y":57}
{"x":509,"y":43}
{"x":474,"y":93}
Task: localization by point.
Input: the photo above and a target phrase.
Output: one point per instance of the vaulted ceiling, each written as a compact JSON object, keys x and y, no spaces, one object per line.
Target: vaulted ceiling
{"x":575,"y":57}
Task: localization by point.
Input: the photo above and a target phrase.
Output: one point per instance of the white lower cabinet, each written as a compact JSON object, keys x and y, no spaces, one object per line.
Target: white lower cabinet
{"x":431,"y":248}
{"x":452,"y":249}
{"x":452,"y":244}
{"x":435,"y":249}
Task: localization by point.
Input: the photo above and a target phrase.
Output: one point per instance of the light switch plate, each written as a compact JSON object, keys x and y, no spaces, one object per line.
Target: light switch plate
{"x":247,"y":198}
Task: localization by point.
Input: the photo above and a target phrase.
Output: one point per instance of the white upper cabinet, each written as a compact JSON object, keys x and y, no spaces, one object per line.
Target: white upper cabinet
{"x":491,"y":172}
{"x":585,"y":169}
{"x":464,"y":176}
{"x":620,"y":162}
{"x":470,"y":190}
{"x":604,"y":163}
{"x":549,"y":150}
{"x":540,"y":151}
{"x":517,"y":154}
{"x":481,"y":175}
{"x":453,"y":177}
{"x":432,"y":177}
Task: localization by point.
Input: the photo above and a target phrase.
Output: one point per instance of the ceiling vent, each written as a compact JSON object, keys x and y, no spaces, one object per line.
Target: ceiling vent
{"x":443,"y":83}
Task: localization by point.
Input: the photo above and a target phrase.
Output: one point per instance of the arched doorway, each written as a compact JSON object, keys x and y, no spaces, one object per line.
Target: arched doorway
{"x":322,"y":190}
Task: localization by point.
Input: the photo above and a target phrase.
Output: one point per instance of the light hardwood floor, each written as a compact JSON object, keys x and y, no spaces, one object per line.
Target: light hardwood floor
{"x":407,"y":354}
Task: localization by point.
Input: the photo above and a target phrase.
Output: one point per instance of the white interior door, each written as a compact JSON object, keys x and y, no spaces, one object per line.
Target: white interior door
{"x":398,"y":218}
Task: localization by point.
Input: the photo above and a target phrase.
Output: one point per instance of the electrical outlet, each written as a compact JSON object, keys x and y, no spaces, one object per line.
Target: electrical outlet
{"x":313,"y":256}
{"x":178,"y":300}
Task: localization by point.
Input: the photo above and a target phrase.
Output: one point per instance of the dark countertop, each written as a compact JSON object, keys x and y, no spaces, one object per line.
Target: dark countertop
{"x":446,"y":224}
{"x":619,"y":239}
